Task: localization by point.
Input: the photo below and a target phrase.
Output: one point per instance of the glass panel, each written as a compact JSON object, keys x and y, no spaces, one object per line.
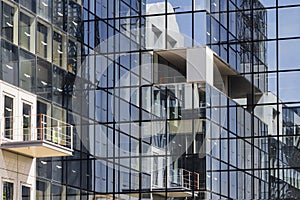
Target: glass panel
{"x":26,"y":122}
{"x":9,"y":23}
{"x":25,"y":193}
{"x":9,"y":55}
{"x":59,"y":49}
{"x":26,"y":32}
{"x":8,"y":190}
{"x":289,"y":86}
{"x":179,"y":31}
{"x":44,"y":9}
{"x":30,"y":4}
{"x":154,"y":7}
{"x":288,"y":24}
{"x":289,"y":54}
{"x":27,"y":71}
{"x":44,"y":81}
{"x":179,"y":6}
{"x":43,"y":41}
{"x":59,"y":10}
{"x":58,"y":84}
{"x":74,"y":19}
{"x":73,"y":56}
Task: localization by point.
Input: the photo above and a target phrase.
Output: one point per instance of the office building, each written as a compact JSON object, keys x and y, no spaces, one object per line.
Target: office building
{"x":149,"y":99}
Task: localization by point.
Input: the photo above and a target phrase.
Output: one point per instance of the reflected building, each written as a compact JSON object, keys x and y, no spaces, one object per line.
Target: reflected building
{"x":148,"y":99}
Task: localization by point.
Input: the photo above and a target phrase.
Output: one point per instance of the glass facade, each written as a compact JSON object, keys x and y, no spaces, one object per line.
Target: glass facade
{"x":144,"y":126}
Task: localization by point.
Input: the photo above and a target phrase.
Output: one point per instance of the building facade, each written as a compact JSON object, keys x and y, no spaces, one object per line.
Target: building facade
{"x":149,"y":99}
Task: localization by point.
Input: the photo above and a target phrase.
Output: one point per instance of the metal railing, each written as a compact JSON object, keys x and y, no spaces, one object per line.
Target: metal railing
{"x":184,"y":178}
{"x":36,"y":128}
{"x":179,"y":179}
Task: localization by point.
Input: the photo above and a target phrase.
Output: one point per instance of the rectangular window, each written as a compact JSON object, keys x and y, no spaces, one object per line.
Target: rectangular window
{"x":44,"y":79}
{"x":10,"y":56}
{"x":8,"y":116}
{"x":59,"y":49}
{"x":8,"y":190}
{"x":43,"y":41}
{"x":26,"y":122}
{"x":9,"y":22}
{"x":44,"y":9}
{"x":25,"y":192}
{"x":27,"y":71}
{"x":26,"y":32}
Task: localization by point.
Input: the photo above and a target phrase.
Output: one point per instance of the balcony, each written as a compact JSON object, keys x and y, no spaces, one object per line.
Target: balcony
{"x":180,"y":183}
{"x":36,"y":136}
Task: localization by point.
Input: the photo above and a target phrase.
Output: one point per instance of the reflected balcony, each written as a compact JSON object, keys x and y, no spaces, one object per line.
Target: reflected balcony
{"x":36,"y":136}
{"x":179,"y":183}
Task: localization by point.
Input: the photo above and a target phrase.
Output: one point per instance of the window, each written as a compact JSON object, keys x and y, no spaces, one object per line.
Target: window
{"x":26,"y":122}
{"x":9,"y":53}
{"x":25,"y":192}
{"x":44,"y":9}
{"x":27,"y":71}
{"x":8,"y":190}
{"x":44,"y":79}
{"x":26,"y":32}
{"x":59,"y":9}
{"x":43,"y":41}
{"x":59,"y":49}
{"x":9,"y":22}
{"x":73,"y":57}
{"x":29,"y":4}
{"x":8,"y":116}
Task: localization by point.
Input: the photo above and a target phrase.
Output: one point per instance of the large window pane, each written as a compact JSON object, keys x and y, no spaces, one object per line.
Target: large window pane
{"x":44,"y":9}
{"x":59,"y":49}
{"x":73,"y":56}
{"x":59,"y":12}
{"x":289,"y":54}
{"x":30,"y":4}
{"x":288,"y":19}
{"x":289,"y":86}
{"x":27,"y":32}
{"x":179,"y":6}
{"x":27,"y":71}
{"x":9,"y":22}
{"x":74,"y":19}
{"x":9,"y":55}
{"x":44,"y":79}
{"x":179,"y":31}
{"x":44,"y":41}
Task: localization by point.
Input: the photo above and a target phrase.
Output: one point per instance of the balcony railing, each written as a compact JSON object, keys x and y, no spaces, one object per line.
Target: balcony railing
{"x":179,"y":179}
{"x":34,"y":129}
{"x":179,"y":183}
{"x":184,"y":178}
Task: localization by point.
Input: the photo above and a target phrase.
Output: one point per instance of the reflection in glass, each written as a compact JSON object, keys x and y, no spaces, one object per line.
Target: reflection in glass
{"x":27,"y":71}
{"x":9,"y":23}
{"x":44,"y":9}
{"x":59,"y":49}
{"x":44,"y":79}
{"x":43,"y":41}
{"x":26,"y":32}
{"x":9,"y":55}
